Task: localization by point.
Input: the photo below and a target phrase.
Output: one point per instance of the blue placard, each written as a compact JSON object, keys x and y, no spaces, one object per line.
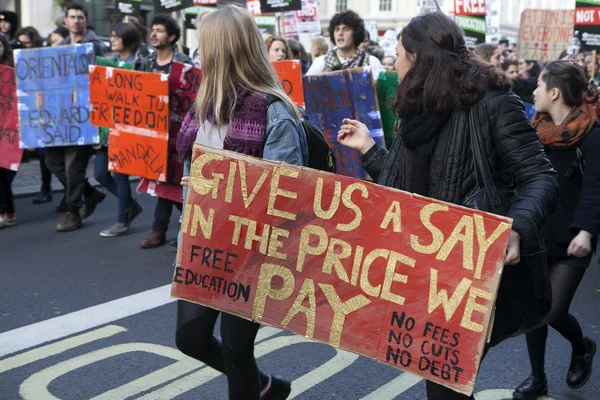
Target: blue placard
{"x":345,"y":94}
{"x":53,"y":90}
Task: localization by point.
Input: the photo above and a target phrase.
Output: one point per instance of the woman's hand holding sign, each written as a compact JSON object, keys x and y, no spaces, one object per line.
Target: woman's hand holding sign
{"x":356,"y":135}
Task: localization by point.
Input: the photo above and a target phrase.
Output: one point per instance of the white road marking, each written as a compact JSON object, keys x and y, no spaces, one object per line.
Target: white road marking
{"x":79,"y":321}
{"x":500,"y":394}
{"x":56,"y":348}
{"x":392,"y":389}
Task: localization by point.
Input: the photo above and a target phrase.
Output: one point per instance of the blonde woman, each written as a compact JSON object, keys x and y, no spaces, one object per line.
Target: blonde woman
{"x":240,"y":107}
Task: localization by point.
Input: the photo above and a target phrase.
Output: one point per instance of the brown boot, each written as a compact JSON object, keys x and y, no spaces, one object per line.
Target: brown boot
{"x":71,"y":222}
{"x":155,"y":239}
{"x":91,"y":202}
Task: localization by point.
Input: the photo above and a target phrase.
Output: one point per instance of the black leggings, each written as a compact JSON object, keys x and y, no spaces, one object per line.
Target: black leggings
{"x":7,"y":204}
{"x":231,"y":354}
{"x":565,"y":280}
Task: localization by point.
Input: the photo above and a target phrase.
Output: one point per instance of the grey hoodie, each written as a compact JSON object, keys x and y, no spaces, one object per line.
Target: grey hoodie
{"x":89,"y":37}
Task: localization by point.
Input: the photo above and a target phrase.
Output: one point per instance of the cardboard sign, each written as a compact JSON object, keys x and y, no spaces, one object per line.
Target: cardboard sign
{"x":184,"y":81}
{"x":129,"y":7}
{"x":387,"y":86}
{"x":544,"y":34}
{"x":290,"y":26}
{"x":587,"y":24}
{"x":343,"y":94}
{"x":273,"y":6}
{"x":289,"y":73}
{"x":10,"y":153}
{"x":53,"y":89}
{"x":135,"y":105}
{"x":406,"y":280}
{"x":307,"y":19}
{"x":470,"y":17}
{"x":267,"y":24}
{"x":168,"y":6}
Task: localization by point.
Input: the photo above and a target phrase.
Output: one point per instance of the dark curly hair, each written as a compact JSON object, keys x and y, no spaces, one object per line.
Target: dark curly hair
{"x":443,"y":76}
{"x":570,"y":79}
{"x":32,"y":34}
{"x":130,"y":35}
{"x":169,"y":24}
{"x":351,"y":19}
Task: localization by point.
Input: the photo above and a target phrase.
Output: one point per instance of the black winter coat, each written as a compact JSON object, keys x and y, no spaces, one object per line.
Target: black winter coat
{"x":515,"y":155}
{"x":579,"y":198}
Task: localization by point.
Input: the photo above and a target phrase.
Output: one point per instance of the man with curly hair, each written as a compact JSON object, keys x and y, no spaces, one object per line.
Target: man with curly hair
{"x":347,"y":32}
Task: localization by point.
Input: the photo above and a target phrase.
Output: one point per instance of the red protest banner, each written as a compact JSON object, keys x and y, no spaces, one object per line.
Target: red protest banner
{"x":135,"y":105}
{"x":400,"y":278}
{"x":544,"y":34}
{"x":289,"y":73}
{"x":469,"y":7}
{"x":184,"y":81}
{"x":10,"y":153}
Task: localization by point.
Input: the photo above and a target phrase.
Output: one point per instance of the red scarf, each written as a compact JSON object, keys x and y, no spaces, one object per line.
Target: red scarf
{"x":570,"y":133}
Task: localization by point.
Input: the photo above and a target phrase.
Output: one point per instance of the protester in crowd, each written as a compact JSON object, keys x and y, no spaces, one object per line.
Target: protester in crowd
{"x":7,"y":205}
{"x":388,"y":63}
{"x":432,"y":154}
{"x":320,"y":47}
{"x":592,"y":67}
{"x":60,"y":21}
{"x":124,"y":43}
{"x":9,"y":23}
{"x":163,"y":37}
{"x":69,"y":163}
{"x":580,"y":59}
{"x":489,"y":53}
{"x":570,"y":133}
{"x":511,"y":68}
{"x":364,"y":45}
{"x":299,"y":53}
{"x":529,"y":69}
{"x":139,"y":24}
{"x":57,"y":36}
{"x":237,"y":77}
{"x":278,"y":48}
{"x":29,"y":38}
{"x":347,"y":32}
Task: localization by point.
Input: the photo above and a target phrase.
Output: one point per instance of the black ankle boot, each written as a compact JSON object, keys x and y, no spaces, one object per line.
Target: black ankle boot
{"x":280,"y":389}
{"x":531,"y":388}
{"x":580,"y":369}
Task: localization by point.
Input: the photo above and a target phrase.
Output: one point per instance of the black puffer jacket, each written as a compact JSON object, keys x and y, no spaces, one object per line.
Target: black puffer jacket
{"x":516,"y":159}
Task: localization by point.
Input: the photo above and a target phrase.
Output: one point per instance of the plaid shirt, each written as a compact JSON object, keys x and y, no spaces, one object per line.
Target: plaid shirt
{"x":150,"y":64}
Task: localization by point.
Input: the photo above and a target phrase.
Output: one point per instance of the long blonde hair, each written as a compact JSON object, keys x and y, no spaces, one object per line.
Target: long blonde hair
{"x":232,"y":50}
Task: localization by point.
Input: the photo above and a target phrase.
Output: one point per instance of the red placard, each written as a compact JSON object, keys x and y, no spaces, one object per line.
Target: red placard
{"x":400,"y":278}
{"x":587,"y":16}
{"x":289,"y":73}
{"x":184,"y":81}
{"x":469,"y":7}
{"x":10,"y":153}
{"x":135,"y":105}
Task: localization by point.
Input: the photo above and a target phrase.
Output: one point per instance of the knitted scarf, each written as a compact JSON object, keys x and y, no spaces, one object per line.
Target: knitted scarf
{"x":333,"y":63}
{"x":247,"y":129}
{"x":570,"y":133}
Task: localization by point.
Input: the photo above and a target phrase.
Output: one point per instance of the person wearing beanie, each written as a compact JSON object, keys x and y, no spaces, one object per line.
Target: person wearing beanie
{"x":9,"y":22}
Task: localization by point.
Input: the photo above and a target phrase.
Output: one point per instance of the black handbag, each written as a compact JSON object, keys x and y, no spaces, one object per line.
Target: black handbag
{"x":525,"y":295}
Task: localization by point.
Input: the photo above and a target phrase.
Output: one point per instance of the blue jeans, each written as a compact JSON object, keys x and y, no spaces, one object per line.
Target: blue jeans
{"x":117,"y":184}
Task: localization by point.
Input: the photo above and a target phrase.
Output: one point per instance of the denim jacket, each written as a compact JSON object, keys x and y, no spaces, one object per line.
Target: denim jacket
{"x":285,"y":139}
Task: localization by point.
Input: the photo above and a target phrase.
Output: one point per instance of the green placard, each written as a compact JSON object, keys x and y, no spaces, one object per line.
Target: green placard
{"x":107,"y":62}
{"x":387,"y":85}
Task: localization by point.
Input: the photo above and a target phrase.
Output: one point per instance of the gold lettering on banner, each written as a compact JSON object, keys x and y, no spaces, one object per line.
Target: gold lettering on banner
{"x":305,"y":247}
{"x":200,"y":183}
{"x":347,"y":201}
{"x":277,"y":191}
{"x":393,"y":215}
{"x":199,"y":219}
{"x":473,"y":306}
{"x":230,"y":182}
{"x":275,"y":243}
{"x":264,"y":289}
{"x":365,"y":285}
{"x":441,"y":298}
{"x":307,"y":291}
{"x":318,"y":200}
{"x":333,"y":259}
{"x":244,"y":184}
{"x":340,"y":310}
{"x":392,"y":276}
{"x":485,"y":243}
{"x":467,"y":237}
{"x":251,"y":235}
{"x":436,"y":233}
{"x":187,"y":211}
{"x":358,"y":255}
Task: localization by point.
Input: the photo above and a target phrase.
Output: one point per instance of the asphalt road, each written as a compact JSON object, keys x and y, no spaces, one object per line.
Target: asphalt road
{"x":84,"y":317}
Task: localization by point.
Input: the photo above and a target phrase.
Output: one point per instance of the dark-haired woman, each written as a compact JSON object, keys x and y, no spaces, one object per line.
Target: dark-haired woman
{"x":431,"y":156}
{"x":29,"y":37}
{"x":570,"y":133}
{"x":490,"y":53}
{"x":124,"y":42}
